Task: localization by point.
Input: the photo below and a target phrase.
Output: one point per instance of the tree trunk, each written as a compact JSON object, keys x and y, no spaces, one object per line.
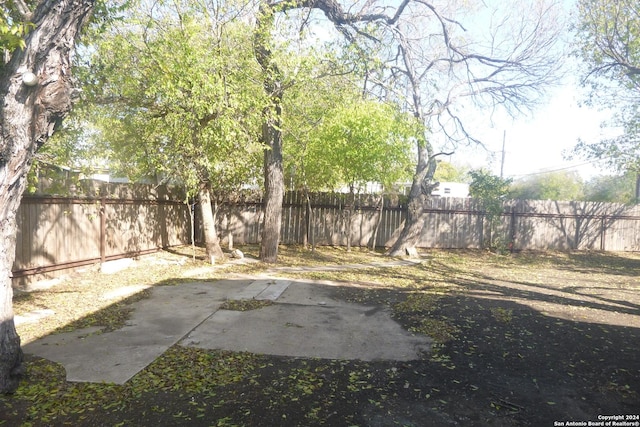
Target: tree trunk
{"x":211,"y":242}
{"x":412,"y":229}
{"x":192,"y":219}
{"x":418,"y":196}
{"x":306,"y":223}
{"x":374,"y":237}
{"x":274,"y":192}
{"x":271,"y":133}
{"x":271,"y":136}
{"x":229,"y":232}
{"x":348,"y":211}
{"x":28,"y":117}
{"x":311,"y":229}
{"x":11,"y":368}
{"x":422,"y":184}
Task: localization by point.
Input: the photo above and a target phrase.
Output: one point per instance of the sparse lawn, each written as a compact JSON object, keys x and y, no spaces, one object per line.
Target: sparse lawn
{"x":521,"y":340}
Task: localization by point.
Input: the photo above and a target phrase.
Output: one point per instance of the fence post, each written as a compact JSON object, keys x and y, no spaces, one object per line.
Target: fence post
{"x":512,"y":230}
{"x":481,"y":225}
{"x":603,"y":232}
{"x":103,"y":230}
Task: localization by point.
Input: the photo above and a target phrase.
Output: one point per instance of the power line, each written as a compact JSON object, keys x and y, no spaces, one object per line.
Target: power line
{"x":556,"y":170}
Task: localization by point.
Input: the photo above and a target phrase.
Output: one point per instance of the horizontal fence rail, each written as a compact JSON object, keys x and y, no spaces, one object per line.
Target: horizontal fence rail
{"x":57,"y":233}
{"x":452,"y":223}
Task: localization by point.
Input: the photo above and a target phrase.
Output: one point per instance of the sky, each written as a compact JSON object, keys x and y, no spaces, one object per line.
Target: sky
{"x":539,"y":142}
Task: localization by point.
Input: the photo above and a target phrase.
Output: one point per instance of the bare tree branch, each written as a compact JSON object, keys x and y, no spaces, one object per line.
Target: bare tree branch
{"x":25,"y":12}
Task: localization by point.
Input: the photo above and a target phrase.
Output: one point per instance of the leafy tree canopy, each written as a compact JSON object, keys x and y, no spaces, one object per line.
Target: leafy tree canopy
{"x":486,"y":186}
{"x":13,"y":28}
{"x":173,"y":93}
{"x":358,"y":142}
{"x":561,"y":185}
{"x":612,"y":188}
{"x":448,"y":172}
{"x":608,"y":41}
{"x":491,"y":190}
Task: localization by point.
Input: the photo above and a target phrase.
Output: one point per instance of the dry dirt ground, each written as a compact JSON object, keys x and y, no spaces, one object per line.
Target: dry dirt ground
{"x":540,"y":339}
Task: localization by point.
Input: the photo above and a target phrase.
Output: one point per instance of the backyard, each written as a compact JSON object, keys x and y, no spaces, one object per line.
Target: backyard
{"x":524,"y":339}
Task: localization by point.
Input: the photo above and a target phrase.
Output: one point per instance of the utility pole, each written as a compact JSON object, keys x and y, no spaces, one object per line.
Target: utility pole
{"x":504,"y":137}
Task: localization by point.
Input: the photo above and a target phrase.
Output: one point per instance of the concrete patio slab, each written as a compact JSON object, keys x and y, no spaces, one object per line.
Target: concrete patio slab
{"x":307,"y":320}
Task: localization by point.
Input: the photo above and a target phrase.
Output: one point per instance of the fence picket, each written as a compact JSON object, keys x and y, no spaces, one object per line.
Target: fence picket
{"x":66,"y":231}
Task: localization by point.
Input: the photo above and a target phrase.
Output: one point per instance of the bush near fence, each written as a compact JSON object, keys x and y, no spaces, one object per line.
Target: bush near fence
{"x":114,"y":221}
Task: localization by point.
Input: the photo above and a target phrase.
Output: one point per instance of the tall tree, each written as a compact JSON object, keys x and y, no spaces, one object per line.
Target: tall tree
{"x":429,"y":65}
{"x":171,"y":91}
{"x":357,"y":142}
{"x":434,"y":60}
{"x":608,"y":42}
{"x":276,"y":81}
{"x":35,"y":88}
{"x":446,"y":62}
{"x":274,"y":87}
{"x":319,"y":89}
{"x":366,"y":142}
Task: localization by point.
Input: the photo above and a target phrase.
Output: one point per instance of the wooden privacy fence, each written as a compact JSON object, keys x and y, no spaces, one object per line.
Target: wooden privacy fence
{"x":448,"y":223}
{"x":57,"y":233}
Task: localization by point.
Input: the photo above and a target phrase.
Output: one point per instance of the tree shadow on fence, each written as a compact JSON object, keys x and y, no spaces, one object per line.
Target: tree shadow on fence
{"x":54,"y":231}
{"x":55,"y":234}
{"x":563,"y":225}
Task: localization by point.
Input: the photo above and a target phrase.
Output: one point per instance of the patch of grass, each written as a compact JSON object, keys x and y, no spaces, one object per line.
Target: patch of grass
{"x":245,"y":304}
{"x":441,"y":331}
{"x":417,"y":303}
{"x":81,"y":299}
{"x":405,"y":277}
{"x":22,"y":298}
{"x":503,"y":315}
{"x":180,"y":369}
{"x":295,"y":255}
{"x":110,"y":318}
{"x":192,"y":370}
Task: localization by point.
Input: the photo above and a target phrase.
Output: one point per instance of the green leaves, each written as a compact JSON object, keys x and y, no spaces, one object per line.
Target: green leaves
{"x":245,"y":305}
{"x":608,"y":36}
{"x":174,"y":94}
{"x":491,"y":190}
{"x":12,"y":32}
{"x":559,"y":185}
{"x":486,"y":186}
{"x":608,"y":41}
{"x":358,"y":142}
